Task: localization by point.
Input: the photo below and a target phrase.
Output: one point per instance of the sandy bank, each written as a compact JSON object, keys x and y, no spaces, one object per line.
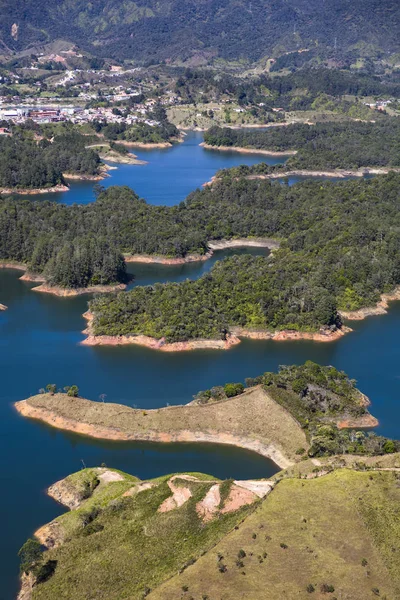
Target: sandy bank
{"x":243,"y":243}
{"x":162,"y":260}
{"x":381,"y":307}
{"x":12,"y":265}
{"x":74,"y":176}
{"x":213,"y":245}
{"x":122,"y":159}
{"x":338,"y":173}
{"x":32,"y":192}
{"x":263,"y":426}
{"x":248,"y":150}
{"x":63,"y":292}
{"x":143,"y":145}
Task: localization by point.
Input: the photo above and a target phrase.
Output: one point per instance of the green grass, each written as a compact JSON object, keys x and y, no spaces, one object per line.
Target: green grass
{"x":136,"y":547}
{"x":341,"y":530}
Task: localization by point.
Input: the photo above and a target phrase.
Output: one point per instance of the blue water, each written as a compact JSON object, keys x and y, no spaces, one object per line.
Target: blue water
{"x":169,"y":175}
{"x":39,"y":344}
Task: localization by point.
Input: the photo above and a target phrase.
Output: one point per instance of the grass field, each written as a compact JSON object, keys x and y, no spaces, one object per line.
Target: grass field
{"x":340,"y":530}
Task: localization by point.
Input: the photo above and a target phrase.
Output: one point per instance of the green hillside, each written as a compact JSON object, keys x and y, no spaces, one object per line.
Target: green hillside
{"x":326,"y":532}
{"x":177,"y":29}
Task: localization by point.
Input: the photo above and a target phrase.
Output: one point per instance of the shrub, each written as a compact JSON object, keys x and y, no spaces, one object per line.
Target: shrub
{"x":326,"y":588}
{"x":45,"y":571}
{"x":30,"y":554}
{"x":233,"y":389}
{"x":310,"y":588}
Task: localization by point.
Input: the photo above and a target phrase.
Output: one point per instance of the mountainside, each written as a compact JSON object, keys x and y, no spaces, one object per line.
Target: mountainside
{"x":148,"y":30}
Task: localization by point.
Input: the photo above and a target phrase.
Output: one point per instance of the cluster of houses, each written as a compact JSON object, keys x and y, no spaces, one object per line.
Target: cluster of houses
{"x":78,"y":115}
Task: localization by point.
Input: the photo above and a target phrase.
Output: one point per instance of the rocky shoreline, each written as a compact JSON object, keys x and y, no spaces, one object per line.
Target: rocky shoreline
{"x":32,"y":192}
{"x":232,"y":339}
{"x":184,"y":423}
{"x":381,"y":307}
{"x":149,"y":342}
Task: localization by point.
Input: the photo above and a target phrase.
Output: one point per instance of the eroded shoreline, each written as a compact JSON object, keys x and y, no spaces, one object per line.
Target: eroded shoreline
{"x":213,"y":245}
{"x":328,"y":174}
{"x":265,"y":427}
{"x":248,"y":150}
{"x":232,"y":339}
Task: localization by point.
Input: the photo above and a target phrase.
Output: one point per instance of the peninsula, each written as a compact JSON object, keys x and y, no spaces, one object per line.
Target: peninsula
{"x":322,"y":147}
{"x":280,"y":416}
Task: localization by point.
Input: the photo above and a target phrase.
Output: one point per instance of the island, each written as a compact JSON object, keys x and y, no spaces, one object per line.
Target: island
{"x":31,"y":165}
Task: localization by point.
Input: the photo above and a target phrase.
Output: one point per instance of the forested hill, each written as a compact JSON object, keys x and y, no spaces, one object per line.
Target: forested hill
{"x":348,"y":145}
{"x":339,"y":250}
{"x":152,"y":30}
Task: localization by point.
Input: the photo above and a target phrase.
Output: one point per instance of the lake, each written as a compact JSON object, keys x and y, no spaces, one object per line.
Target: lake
{"x":169,"y":175}
{"x":39,"y":344}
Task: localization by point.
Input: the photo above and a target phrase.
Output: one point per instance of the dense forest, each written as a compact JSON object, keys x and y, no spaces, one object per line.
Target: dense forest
{"x":339,"y":250}
{"x":27,"y":163}
{"x":148,"y":30}
{"x":317,"y":397}
{"x":349,"y":145}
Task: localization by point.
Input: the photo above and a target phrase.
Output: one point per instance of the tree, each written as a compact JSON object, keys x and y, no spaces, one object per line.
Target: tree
{"x":51,"y":388}
{"x":73,"y":391}
{"x":30,"y":554}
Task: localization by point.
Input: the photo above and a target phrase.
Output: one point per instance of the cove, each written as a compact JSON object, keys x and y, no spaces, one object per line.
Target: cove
{"x":170,"y":174}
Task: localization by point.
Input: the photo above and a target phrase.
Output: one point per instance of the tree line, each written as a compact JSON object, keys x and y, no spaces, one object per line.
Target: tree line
{"x":26,"y":163}
{"x":339,"y":251}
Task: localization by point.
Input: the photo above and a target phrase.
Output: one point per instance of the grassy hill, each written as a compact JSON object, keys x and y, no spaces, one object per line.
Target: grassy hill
{"x":149,"y":30}
{"x":329,"y":537}
{"x":311,"y":535}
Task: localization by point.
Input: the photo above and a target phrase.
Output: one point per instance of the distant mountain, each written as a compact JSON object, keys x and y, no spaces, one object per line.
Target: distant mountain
{"x":154,"y":30}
